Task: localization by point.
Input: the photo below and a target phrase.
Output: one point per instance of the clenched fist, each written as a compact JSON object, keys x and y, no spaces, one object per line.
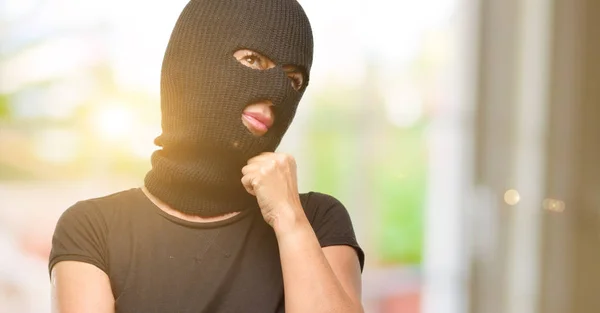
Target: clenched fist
{"x":271,"y":177}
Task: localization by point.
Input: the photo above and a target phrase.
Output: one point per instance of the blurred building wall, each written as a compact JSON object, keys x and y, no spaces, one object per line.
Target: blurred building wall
{"x":535,"y":242}
{"x":571,"y":276}
{"x":510,"y":124}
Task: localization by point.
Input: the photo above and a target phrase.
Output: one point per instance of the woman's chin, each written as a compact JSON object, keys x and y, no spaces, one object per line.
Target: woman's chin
{"x":257,"y":133}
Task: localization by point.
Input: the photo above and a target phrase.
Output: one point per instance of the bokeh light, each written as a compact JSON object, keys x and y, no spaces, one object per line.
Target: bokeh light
{"x":512,"y":197}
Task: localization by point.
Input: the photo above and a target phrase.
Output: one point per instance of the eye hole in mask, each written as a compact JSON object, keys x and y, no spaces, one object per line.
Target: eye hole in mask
{"x":253,"y":60}
{"x":296,"y":75}
{"x":257,"y":61}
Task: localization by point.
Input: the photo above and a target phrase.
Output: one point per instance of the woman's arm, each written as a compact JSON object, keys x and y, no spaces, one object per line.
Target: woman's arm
{"x":315,"y":280}
{"x":79,"y":287}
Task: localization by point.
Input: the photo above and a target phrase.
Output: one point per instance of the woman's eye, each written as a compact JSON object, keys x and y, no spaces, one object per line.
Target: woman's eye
{"x":256,"y":62}
{"x":253,"y":60}
{"x":296,"y":78}
{"x":296,"y":82}
{"x":250,"y":59}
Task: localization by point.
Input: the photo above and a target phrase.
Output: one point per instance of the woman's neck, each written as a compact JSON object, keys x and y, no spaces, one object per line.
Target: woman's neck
{"x":187,"y":217}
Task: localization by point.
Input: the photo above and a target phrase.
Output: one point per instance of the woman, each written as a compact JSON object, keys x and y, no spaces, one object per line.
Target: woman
{"x":194,"y":238}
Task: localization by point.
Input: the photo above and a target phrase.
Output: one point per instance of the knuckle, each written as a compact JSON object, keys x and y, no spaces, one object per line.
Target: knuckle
{"x":282,"y":159}
{"x":264,"y":170}
{"x":285,"y":160}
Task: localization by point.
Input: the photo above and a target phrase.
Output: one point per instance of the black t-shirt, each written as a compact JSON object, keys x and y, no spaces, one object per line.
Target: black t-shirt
{"x":160,"y":263}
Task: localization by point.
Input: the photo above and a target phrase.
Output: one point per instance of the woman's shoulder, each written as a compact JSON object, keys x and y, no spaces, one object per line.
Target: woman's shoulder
{"x":314,"y":199}
{"x":81,"y":231}
{"x":331,"y":221}
{"x":321,"y":206}
{"x":103,"y":207}
{"x":125,"y":196}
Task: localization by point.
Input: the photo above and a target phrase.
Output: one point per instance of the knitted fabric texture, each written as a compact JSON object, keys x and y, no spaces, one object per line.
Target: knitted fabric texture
{"x":204,"y":91}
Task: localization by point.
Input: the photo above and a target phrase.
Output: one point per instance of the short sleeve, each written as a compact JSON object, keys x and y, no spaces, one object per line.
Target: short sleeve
{"x":331,"y":223}
{"x":80,"y":235}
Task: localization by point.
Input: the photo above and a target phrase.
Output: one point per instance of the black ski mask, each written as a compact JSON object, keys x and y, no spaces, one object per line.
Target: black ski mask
{"x":204,"y":91}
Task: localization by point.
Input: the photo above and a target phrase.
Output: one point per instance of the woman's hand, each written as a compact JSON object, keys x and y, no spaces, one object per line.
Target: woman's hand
{"x":315,"y":279}
{"x":271,"y":177}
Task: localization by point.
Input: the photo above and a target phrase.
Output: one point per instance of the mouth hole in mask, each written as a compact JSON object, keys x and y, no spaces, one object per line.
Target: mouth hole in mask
{"x":258,"y":117}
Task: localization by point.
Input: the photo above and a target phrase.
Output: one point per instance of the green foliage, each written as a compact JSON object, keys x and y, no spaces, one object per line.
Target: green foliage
{"x":4,"y":107}
{"x":388,"y":168}
{"x":400,"y":179}
{"x":8,"y":172}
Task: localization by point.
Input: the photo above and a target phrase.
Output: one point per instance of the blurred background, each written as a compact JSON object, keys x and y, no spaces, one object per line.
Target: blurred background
{"x":462,"y":135}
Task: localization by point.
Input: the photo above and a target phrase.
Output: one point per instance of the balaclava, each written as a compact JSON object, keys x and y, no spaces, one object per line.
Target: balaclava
{"x":204,"y":90}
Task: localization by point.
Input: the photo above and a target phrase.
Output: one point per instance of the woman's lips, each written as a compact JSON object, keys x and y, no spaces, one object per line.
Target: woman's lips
{"x":258,"y":121}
